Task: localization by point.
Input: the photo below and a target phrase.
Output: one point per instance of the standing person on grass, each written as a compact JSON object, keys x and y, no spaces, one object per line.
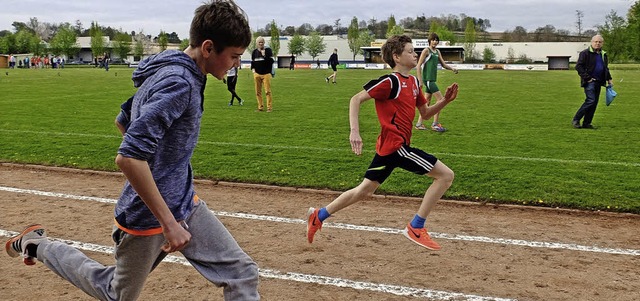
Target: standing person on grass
{"x":397,"y":95}
{"x":333,"y":63}
{"x":158,"y":211}
{"x":427,"y":73}
{"x":231,"y":80}
{"x":593,"y":69}
{"x":262,"y":64}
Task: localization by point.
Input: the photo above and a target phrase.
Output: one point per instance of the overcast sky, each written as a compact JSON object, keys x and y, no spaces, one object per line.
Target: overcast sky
{"x":151,"y":16}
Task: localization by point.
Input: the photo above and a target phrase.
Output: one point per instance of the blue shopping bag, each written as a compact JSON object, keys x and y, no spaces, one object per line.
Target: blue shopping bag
{"x":611,"y":95}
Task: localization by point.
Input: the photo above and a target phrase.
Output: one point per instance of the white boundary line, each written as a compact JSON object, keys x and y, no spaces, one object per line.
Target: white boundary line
{"x":306,"y":278}
{"x":310,"y":148}
{"x":483,"y":239}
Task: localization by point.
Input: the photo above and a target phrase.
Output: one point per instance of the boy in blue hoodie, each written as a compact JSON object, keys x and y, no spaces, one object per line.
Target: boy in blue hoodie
{"x":158,"y":211}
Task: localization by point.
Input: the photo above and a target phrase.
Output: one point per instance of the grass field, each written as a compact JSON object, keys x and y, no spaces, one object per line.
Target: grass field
{"x":510,"y":138}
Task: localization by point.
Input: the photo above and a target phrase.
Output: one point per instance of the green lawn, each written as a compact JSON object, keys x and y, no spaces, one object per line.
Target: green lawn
{"x":510,"y":138}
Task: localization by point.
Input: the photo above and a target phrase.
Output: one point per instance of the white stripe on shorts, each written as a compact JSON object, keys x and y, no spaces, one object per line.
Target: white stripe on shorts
{"x":415,"y":158}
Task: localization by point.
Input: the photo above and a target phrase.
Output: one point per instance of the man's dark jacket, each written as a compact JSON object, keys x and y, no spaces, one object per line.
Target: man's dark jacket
{"x":587,"y":62}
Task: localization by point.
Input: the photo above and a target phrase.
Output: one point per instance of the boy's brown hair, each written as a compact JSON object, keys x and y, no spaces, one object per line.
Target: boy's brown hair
{"x":433,"y":36}
{"x":221,"y":21}
{"x":394,"y":45}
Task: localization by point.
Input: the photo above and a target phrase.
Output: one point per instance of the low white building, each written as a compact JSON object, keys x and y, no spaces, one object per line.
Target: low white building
{"x":536,"y":51}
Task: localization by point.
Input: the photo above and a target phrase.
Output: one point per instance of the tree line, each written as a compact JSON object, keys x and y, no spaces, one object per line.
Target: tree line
{"x":622,"y":35}
{"x":43,"y":38}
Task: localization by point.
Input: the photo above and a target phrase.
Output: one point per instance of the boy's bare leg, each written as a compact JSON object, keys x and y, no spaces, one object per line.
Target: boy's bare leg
{"x":438,"y":96}
{"x":353,"y":195}
{"x":442,"y":179}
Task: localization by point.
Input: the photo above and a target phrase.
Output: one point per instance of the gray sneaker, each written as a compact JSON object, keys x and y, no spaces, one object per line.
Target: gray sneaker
{"x":17,"y":245}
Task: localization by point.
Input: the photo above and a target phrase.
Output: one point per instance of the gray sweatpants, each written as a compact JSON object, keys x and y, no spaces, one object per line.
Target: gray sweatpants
{"x":212,"y":251}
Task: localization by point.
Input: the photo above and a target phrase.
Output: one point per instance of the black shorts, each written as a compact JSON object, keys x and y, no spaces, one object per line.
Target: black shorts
{"x":408,"y":158}
{"x":334,"y":67}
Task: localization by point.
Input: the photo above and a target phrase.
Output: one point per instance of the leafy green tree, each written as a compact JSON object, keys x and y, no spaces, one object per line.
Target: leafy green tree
{"x":364,"y":39}
{"x":8,"y":44}
{"x":275,"y":38}
{"x":38,"y":47}
{"x":442,"y":32}
{"x":25,"y":39}
{"x":184,"y":44}
{"x":615,"y":36}
{"x":122,"y":45}
{"x":296,"y":45}
{"x":352,"y":37}
{"x":138,"y":50}
{"x":470,"y":39}
{"x":633,"y":30}
{"x":163,"y":40}
{"x":392,"y":28}
{"x":315,"y":44}
{"x":391,"y":22}
{"x":64,"y":42}
{"x":97,"y":42}
{"x":396,"y":30}
{"x":488,"y":55}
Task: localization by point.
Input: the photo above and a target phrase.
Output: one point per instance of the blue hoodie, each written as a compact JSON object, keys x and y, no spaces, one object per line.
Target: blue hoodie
{"x":164,"y":128}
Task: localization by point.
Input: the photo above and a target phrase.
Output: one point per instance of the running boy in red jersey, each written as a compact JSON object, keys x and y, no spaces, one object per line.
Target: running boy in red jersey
{"x":396,"y":95}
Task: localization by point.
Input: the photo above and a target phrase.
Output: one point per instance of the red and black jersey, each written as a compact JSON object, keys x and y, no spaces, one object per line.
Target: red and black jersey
{"x":397,"y":98}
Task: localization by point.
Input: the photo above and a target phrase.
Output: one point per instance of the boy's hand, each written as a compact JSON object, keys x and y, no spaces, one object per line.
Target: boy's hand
{"x":177,"y":237}
{"x":452,"y":92}
{"x":356,"y":142}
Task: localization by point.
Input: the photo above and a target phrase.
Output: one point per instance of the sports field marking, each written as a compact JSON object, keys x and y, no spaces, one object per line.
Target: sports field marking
{"x":306,"y":278}
{"x":347,"y":149}
{"x":483,"y":239}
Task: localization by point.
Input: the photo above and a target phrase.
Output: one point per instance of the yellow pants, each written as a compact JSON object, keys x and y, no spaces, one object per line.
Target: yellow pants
{"x":261,"y":80}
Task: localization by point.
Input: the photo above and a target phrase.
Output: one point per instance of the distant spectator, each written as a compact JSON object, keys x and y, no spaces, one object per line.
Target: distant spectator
{"x":427,"y":73}
{"x":333,"y":63}
{"x":593,"y":68}
{"x":292,"y":62}
{"x":105,"y":60}
{"x":262,"y":65}
{"x":231,"y":80}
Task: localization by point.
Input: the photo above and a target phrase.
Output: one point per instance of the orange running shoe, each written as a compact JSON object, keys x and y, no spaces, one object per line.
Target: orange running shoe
{"x":313,"y":223}
{"x":421,"y":237}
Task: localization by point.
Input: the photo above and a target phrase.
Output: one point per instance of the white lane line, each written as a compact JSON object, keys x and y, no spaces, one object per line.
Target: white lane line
{"x":305,"y":278}
{"x":484,"y":239}
{"x":346,"y":149}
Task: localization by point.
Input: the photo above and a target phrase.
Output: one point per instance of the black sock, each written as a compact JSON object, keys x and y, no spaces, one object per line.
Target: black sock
{"x":32,"y":250}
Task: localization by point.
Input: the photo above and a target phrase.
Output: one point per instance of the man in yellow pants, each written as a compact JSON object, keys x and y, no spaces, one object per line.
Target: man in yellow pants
{"x":261,"y":65}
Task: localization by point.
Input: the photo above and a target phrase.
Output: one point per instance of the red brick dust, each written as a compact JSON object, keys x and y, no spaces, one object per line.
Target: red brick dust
{"x":488,"y":250}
